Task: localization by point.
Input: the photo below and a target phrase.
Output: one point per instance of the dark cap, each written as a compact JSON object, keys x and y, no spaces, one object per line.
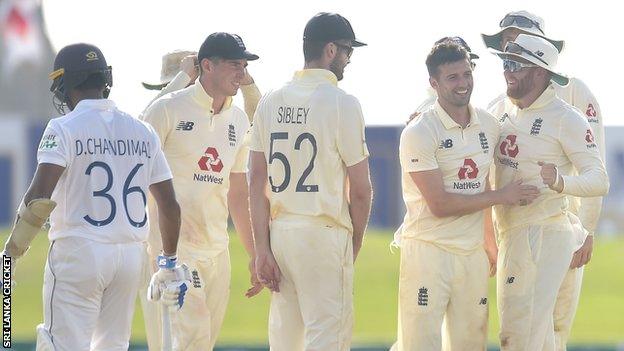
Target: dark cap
{"x":80,"y":57}
{"x":459,"y":41}
{"x":224,"y":45}
{"x":327,"y":27}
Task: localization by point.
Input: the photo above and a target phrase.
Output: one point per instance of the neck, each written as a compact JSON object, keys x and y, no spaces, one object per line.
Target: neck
{"x":218,"y":100}
{"x":530,"y":97}
{"x":459,"y":114}
{"x":316,"y":64}
{"x":75,"y":96}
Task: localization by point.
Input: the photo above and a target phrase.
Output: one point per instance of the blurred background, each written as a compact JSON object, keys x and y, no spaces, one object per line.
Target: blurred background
{"x":388,"y":76}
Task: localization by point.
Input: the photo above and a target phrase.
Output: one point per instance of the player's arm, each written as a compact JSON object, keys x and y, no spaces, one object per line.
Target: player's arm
{"x":251,"y":95}
{"x":360,"y":200}
{"x":576,"y":139}
{"x":489,"y":237}
{"x":168,"y":215}
{"x":34,"y":209}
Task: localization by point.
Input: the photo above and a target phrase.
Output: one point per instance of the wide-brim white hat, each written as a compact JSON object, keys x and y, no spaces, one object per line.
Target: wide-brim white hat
{"x":170,"y":68}
{"x":534,"y":26}
{"x":536,"y":51}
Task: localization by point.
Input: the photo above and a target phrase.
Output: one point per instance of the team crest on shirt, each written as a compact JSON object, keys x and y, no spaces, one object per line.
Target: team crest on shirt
{"x":48,"y":142}
{"x":423,"y":296}
{"x":484,"y":143}
{"x":503,"y":117}
{"x":589,"y":138}
{"x":232,"y":135}
{"x":537,"y":126}
{"x":592,"y":115}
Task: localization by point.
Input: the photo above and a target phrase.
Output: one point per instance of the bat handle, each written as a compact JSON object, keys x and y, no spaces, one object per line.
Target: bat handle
{"x":166,"y":329}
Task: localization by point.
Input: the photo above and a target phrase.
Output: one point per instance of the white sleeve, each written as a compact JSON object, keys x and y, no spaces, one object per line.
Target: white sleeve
{"x":53,"y":147}
{"x":417,"y":148}
{"x":351,"y":139}
{"x":160,"y":168}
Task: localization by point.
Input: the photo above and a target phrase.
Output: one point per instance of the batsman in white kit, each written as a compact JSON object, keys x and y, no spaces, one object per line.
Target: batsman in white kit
{"x":95,"y":165}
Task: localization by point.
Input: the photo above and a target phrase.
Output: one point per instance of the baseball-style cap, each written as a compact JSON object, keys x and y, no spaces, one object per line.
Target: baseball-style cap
{"x":170,"y":68}
{"x":225,"y":45}
{"x":536,"y":51}
{"x":524,"y":21}
{"x":459,"y":41}
{"x":327,"y":27}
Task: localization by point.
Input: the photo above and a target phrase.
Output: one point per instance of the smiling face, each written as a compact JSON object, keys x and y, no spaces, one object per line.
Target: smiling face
{"x":520,"y":83}
{"x":225,"y":75}
{"x":454,"y":83}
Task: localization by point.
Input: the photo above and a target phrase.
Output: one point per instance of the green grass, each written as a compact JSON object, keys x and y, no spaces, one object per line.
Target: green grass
{"x":599,"y":320}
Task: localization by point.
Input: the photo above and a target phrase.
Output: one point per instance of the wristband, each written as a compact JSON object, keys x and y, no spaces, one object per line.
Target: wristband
{"x":167,"y":262}
{"x":558,"y":181}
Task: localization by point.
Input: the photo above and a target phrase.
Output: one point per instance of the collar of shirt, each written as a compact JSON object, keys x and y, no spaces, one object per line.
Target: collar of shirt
{"x":547,"y":97}
{"x":315,"y":76}
{"x":449,"y":123}
{"x":100,"y":104}
{"x":205,"y":100}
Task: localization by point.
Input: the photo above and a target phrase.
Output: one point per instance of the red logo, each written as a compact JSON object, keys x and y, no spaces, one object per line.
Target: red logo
{"x":591,"y":111}
{"x":508,"y":147}
{"x":468,"y":170}
{"x":210,"y":161}
{"x":589,"y":137}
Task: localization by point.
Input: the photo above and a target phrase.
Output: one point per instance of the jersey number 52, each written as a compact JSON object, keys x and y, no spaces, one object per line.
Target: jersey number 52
{"x":278,"y":156}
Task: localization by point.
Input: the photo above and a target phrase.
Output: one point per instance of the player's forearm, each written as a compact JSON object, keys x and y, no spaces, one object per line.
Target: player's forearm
{"x":239,"y":211}
{"x":251,"y":97}
{"x":591,"y":182}
{"x":169,"y":224}
{"x":450,"y":204}
{"x":489,"y":236}
{"x":589,"y":212}
{"x":359,"y":209}
{"x":260,"y":216}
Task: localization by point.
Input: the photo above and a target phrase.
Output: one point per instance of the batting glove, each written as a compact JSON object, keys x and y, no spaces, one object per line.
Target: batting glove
{"x":170,"y":283}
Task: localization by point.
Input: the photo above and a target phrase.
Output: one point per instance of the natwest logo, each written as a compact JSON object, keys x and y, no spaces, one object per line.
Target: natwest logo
{"x":589,"y":136}
{"x":210,"y":161}
{"x":508,"y":146}
{"x":468,"y":170}
{"x":591,"y":111}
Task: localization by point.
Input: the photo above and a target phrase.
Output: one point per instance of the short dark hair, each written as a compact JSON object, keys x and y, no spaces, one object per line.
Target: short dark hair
{"x":94,"y":81}
{"x":313,"y":49}
{"x":443,"y":53}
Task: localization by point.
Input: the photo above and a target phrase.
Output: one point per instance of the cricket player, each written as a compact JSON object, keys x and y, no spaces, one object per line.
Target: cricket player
{"x":311,"y":194}
{"x":445,"y":155}
{"x":180,"y":69}
{"x":577,"y":94}
{"x":96,"y":164}
{"x":202,"y":137}
{"x":544,"y":140}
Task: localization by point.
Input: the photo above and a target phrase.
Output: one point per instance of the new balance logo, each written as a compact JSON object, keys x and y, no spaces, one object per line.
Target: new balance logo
{"x":510,"y":280}
{"x":446,"y":144}
{"x":185,"y":125}
{"x":483,"y":301}
{"x":423,"y":297}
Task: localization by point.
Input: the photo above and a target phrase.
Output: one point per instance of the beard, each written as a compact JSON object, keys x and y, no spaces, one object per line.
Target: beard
{"x":337,"y":68}
{"x":456,"y":100}
{"x":521,"y":88}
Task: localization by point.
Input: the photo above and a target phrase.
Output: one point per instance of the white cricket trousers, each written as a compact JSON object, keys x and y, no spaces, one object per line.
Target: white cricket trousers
{"x":440,"y":290}
{"x":533,"y":262}
{"x":89,"y":292}
{"x":197,"y":324}
{"x":314,"y":309}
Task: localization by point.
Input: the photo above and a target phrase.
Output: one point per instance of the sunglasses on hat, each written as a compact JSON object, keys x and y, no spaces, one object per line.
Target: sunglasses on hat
{"x":519,"y":21}
{"x":514,"y":48}
{"x":514,"y":66}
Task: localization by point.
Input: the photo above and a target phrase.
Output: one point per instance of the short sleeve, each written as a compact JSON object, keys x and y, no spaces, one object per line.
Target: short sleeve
{"x":156,"y":115}
{"x":53,"y":147}
{"x":256,"y":129}
{"x":160,"y":168}
{"x":417,"y":148}
{"x":351,"y":139}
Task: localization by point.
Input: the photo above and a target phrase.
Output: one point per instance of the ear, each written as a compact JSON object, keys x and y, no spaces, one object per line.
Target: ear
{"x":330,"y":51}
{"x":433,"y":83}
{"x":206,"y":65}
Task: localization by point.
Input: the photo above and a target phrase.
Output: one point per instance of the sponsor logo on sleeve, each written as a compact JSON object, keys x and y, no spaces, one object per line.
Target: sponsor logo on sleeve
{"x":48,"y":142}
{"x":592,"y":115}
{"x":589,"y":138}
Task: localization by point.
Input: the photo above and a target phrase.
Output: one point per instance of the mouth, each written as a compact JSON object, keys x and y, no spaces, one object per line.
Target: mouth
{"x":462,"y":92}
{"x":511,"y":83}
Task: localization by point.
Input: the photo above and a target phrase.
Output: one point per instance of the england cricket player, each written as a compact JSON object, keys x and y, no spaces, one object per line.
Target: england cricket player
{"x":202,"y":137}
{"x":577,"y":94}
{"x":545,"y":141}
{"x":180,"y":69}
{"x":96,"y":164}
{"x":445,"y":155}
{"x":311,"y":194}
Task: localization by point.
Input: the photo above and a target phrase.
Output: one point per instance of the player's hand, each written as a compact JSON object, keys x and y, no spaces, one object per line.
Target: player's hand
{"x":3,"y":255}
{"x":170,"y":283}
{"x":268,"y":271}
{"x":256,"y":286}
{"x":550,"y":176}
{"x":412,"y":117}
{"x":247,"y":79}
{"x":516,"y":193}
{"x":190,"y":66}
{"x":582,"y":256}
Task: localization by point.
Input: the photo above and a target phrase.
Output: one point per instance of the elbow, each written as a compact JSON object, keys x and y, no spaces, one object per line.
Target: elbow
{"x":362,"y":194}
{"x":440,"y":210}
{"x":605,"y":187}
